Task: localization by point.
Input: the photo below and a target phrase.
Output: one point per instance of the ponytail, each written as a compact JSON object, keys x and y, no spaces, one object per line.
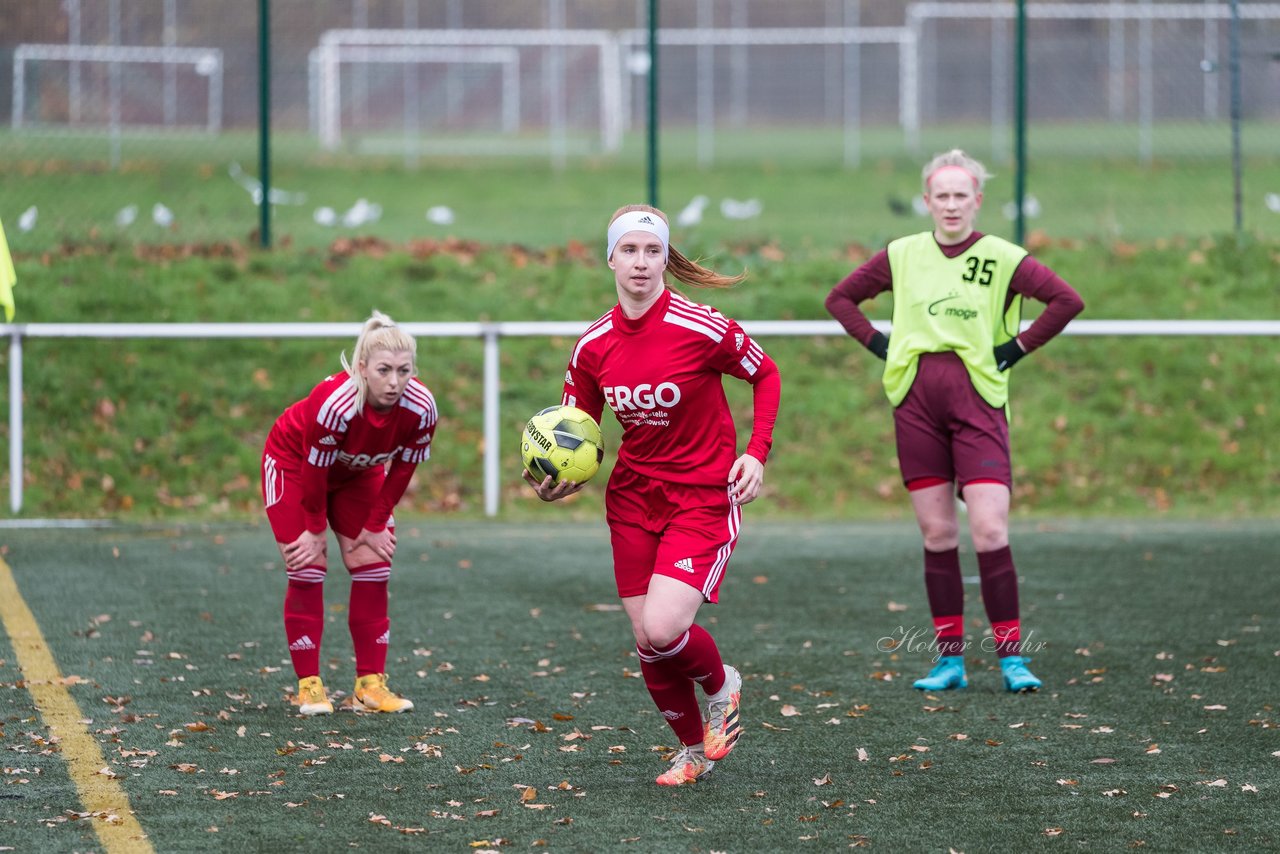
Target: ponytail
{"x":379,"y":333}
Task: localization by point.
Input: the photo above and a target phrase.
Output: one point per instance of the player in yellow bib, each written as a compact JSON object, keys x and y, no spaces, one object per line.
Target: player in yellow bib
{"x":957,"y":299}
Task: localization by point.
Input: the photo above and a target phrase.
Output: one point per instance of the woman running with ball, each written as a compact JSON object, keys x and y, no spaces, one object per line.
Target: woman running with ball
{"x":957,"y":297}
{"x":674,"y":500}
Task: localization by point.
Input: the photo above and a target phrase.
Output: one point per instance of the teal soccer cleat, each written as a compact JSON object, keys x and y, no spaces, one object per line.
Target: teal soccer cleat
{"x":948,"y":673}
{"x":1017,"y":678}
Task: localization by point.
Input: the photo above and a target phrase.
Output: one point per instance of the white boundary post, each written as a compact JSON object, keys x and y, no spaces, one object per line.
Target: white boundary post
{"x":16,"y":467}
{"x":492,"y":420}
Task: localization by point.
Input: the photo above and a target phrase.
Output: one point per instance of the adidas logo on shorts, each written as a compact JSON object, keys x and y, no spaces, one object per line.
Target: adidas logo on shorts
{"x":685,"y":563}
{"x":304,"y":642}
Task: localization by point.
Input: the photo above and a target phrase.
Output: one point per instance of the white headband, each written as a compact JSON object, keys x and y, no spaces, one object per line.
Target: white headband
{"x":638,"y":221}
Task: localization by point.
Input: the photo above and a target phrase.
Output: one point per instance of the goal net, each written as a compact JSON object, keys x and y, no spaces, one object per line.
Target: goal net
{"x":466,"y":91}
{"x":122,"y":89}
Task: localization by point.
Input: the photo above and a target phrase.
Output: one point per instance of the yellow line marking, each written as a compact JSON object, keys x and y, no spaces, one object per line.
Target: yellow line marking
{"x":103,"y":798}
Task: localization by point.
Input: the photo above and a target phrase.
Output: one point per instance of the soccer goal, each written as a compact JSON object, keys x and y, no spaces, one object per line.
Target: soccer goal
{"x":836,"y":77}
{"x":118,"y":88}
{"x":1108,"y":74}
{"x":325,"y":78}
{"x":480,"y":91}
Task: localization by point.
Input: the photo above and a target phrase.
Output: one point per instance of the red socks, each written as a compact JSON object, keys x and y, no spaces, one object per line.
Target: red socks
{"x":694,"y":655}
{"x":669,"y":673}
{"x":673,"y":694}
{"x":367,"y":618}
{"x":304,"y":625}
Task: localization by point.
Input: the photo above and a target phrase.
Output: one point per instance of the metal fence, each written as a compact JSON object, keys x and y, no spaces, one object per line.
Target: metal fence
{"x":113,"y":91}
{"x":492,"y":335}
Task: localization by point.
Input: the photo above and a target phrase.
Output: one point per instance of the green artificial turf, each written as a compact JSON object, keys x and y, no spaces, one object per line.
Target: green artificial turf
{"x":1155,"y":726}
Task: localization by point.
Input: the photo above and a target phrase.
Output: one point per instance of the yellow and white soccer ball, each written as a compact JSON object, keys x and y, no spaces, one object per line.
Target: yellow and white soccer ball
{"x":563,"y":442}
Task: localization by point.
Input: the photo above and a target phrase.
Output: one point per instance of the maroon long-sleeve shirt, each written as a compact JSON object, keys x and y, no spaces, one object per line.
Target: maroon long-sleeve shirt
{"x":1030,"y":279}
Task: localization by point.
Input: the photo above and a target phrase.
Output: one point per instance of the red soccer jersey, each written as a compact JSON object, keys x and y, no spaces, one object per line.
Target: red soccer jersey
{"x":324,"y":438}
{"x":661,"y":376}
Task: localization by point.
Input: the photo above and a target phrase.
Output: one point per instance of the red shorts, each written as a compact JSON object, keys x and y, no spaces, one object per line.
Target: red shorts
{"x":946,"y":430}
{"x":674,"y":529}
{"x":347,"y":503}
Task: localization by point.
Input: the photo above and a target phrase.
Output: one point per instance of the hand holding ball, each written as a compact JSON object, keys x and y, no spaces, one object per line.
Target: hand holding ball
{"x":562,"y":442}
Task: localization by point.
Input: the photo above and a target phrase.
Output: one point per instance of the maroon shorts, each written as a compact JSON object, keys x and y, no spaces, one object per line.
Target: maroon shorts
{"x":347,"y":503}
{"x":946,"y":430}
{"x":674,"y":529}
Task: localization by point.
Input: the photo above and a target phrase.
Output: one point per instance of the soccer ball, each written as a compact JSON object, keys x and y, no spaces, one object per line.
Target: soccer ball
{"x":564,"y":442}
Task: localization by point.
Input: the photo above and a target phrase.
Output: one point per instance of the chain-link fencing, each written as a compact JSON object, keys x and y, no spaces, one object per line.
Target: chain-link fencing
{"x":525,"y":120}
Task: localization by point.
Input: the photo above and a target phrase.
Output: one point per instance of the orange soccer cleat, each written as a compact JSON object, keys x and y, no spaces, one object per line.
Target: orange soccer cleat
{"x":689,"y":765}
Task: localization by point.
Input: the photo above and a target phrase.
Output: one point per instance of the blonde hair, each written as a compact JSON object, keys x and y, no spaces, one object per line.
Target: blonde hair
{"x":955,"y":157}
{"x":680,"y":267}
{"x":379,"y":333}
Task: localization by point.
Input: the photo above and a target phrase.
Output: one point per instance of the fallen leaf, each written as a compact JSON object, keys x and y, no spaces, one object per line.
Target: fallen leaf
{"x":824,"y":780}
{"x":862,"y":754}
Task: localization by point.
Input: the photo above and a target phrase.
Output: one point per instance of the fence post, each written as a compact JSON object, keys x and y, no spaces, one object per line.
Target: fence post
{"x":15,"y":421}
{"x":264,"y":122}
{"x":492,"y":441}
